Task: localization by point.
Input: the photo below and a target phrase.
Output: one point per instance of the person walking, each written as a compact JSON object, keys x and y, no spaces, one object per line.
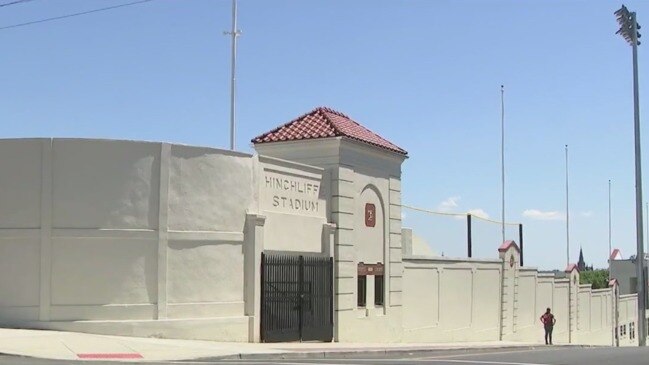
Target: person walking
{"x":548,"y":321}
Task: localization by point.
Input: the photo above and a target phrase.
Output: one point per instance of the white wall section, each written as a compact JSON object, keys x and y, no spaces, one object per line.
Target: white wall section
{"x":156,"y":239}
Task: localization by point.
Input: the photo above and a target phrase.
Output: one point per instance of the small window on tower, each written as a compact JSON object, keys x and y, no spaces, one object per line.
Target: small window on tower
{"x":378,"y":290}
{"x":362,"y":290}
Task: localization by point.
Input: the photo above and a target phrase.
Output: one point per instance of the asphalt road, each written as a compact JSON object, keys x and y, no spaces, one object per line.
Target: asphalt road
{"x":540,"y":356}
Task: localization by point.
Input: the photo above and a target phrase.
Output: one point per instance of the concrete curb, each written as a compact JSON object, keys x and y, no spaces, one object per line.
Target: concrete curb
{"x":349,"y":353}
{"x":345,"y":354}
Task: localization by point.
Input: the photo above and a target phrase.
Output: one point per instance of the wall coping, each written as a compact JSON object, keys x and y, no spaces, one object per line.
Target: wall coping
{"x":289,"y":164}
{"x":629,"y":296}
{"x":527,"y":268}
{"x":600,"y":291}
{"x":53,"y":139}
{"x":449,"y":259}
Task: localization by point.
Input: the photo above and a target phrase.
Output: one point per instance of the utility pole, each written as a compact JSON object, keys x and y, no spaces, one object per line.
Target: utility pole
{"x":629,"y":31}
{"x":235,"y":33}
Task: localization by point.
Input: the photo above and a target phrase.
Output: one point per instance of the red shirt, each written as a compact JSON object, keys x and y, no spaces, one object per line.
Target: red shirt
{"x":547,"y":319}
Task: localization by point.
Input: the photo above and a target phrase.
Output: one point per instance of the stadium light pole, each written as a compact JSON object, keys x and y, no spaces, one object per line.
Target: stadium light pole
{"x":629,"y":31}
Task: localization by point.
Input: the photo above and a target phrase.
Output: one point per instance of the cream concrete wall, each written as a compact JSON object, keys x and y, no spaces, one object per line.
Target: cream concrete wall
{"x":451,"y":300}
{"x":560,"y":309}
{"x":460,"y":303}
{"x":209,"y":192}
{"x":20,"y":211}
{"x":21,"y":183}
{"x":595,"y":324}
{"x":139,"y":238}
{"x":99,"y":184}
{"x":98,"y":235}
{"x":294,"y":198}
{"x":627,"y":314}
{"x":526,"y":321}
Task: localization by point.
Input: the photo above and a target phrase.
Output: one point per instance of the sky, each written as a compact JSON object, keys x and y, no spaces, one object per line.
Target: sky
{"x":424,"y":74}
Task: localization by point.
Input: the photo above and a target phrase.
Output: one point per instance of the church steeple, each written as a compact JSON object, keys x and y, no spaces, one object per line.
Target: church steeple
{"x":581,"y":264}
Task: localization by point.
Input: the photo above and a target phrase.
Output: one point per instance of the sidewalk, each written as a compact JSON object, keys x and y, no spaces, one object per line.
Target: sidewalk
{"x":81,"y":346}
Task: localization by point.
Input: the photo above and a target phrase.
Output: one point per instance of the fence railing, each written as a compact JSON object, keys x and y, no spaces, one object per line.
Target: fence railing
{"x":447,"y":231}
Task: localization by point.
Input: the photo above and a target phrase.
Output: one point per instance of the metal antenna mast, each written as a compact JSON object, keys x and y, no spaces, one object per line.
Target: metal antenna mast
{"x":502,"y":154}
{"x":567,"y":215}
{"x":234,"y":34}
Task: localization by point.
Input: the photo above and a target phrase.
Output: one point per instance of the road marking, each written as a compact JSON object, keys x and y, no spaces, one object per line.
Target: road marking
{"x":265,"y":362}
{"x":343,"y":361}
{"x":106,"y":356}
{"x":483,"y":362}
{"x":485,"y":353}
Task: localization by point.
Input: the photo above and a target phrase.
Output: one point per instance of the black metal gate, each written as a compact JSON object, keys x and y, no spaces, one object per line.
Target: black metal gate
{"x":296,"y":298}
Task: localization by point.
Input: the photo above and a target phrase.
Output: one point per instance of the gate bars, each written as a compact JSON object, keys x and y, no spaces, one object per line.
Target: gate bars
{"x":296,"y":298}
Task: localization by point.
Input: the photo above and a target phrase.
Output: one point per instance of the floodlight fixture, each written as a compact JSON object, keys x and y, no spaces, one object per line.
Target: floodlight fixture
{"x":629,"y":31}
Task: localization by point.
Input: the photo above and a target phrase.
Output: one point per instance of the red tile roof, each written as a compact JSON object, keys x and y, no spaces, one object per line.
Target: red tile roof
{"x":324,"y":122}
{"x":507,"y":244}
{"x":572,"y":267}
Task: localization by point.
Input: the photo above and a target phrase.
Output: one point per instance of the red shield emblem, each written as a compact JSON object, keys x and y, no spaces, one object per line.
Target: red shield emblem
{"x":370,"y":215}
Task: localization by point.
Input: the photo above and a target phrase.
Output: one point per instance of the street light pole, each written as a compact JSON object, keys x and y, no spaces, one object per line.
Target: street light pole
{"x":629,"y":30}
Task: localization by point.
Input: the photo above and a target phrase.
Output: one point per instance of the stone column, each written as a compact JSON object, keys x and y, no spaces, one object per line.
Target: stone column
{"x":253,"y":246}
{"x":573,"y":305}
{"x":46,"y":231}
{"x":328,"y":239}
{"x":342,"y":215}
{"x":394,"y":278}
{"x":509,"y":253}
{"x":615,"y":318}
{"x":163,"y":229}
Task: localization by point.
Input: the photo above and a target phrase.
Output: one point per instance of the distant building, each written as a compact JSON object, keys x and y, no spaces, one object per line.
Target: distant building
{"x":581,"y":264}
{"x":624,"y":271}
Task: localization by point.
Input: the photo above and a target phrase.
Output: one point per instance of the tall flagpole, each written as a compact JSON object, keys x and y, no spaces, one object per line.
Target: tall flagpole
{"x":568,"y":250}
{"x":567,"y":215}
{"x":234,"y":34}
{"x":610,"y":248}
{"x":502,"y":153}
{"x":610,"y":251}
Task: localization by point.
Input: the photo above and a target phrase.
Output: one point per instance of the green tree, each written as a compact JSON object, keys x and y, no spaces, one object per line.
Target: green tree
{"x":597,"y":278}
